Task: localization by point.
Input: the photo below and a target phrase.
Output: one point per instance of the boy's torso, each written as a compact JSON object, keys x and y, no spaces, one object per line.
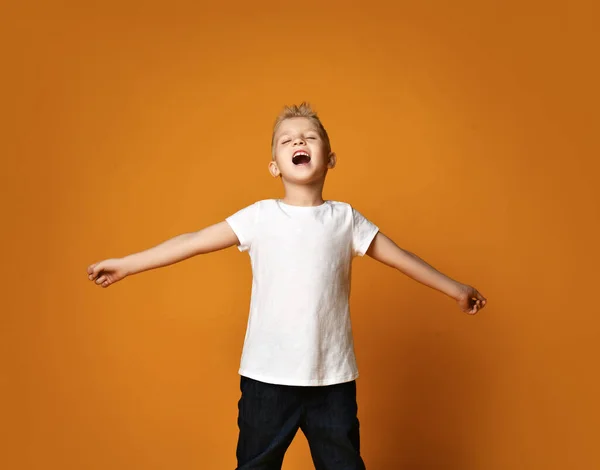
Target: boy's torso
{"x":299,"y":330}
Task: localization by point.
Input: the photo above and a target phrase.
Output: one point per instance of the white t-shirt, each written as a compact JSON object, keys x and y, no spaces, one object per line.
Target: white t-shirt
{"x":299,"y":330}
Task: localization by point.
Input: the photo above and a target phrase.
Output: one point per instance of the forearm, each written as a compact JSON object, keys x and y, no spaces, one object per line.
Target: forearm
{"x":386,"y":251}
{"x":169,"y":252}
{"x":182,"y":247}
{"x":417,"y":269}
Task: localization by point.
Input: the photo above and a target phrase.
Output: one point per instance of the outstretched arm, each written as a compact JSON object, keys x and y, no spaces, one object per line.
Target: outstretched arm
{"x":387,"y":252}
{"x":213,"y":238}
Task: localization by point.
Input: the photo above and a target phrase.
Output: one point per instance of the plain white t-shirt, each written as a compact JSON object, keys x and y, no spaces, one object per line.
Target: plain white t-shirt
{"x":299,"y":330}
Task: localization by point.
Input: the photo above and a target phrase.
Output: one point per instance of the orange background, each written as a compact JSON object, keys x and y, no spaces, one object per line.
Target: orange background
{"x":468,"y":131}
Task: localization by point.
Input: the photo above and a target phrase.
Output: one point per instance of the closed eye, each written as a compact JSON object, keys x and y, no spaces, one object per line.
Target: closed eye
{"x":286,"y":141}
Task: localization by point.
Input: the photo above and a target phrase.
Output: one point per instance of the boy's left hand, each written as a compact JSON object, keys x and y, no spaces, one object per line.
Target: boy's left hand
{"x":470,"y":300}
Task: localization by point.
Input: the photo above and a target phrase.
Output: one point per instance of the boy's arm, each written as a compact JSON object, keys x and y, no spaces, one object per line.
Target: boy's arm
{"x":387,"y":252}
{"x":213,"y":238}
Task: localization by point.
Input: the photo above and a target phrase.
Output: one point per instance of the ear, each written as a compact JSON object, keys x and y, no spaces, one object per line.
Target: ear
{"x":332,"y":160}
{"x":274,"y":169}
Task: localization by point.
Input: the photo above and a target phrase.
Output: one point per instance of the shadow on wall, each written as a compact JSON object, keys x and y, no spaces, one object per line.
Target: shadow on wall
{"x":432,"y":399}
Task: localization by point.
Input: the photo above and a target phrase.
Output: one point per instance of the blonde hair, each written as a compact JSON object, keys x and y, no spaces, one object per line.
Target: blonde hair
{"x":303,"y":110}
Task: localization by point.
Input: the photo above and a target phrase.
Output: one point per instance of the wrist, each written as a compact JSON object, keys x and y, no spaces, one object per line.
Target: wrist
{"x":459,"y":291}
{"x":128,"y":266}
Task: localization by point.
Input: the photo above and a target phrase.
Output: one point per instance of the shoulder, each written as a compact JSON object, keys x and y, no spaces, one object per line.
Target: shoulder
{"x":267,"y":202}
{"x":341,"y":207}
{"x":350,"y":211}
{"x":263,"y":203}
{"x":264,"y":207}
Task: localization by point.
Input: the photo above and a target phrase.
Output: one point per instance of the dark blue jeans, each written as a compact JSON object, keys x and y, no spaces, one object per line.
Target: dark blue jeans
{"x":270,"y":415}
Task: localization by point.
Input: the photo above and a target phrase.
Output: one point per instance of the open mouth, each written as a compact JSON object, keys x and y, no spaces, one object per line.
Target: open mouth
{"x":301,"y":158}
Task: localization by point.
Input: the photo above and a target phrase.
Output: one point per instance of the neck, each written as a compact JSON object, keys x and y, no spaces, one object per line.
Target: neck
{"x":304,"y":195}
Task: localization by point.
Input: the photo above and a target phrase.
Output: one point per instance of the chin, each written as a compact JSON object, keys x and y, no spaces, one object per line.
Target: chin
{"x":304,"y":179}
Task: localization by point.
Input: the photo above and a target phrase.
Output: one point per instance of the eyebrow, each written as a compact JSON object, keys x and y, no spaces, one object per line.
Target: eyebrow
{"x":316,"y":131}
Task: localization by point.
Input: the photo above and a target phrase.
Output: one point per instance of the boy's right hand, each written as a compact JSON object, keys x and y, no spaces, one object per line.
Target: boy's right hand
{"x":107,"y":272}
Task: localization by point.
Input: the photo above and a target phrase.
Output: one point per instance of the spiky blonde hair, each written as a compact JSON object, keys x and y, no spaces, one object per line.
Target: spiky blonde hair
{"x":303,"y":110}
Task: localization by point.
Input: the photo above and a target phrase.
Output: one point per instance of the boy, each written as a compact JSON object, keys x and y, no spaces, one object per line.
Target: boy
{"x":298,"y":367}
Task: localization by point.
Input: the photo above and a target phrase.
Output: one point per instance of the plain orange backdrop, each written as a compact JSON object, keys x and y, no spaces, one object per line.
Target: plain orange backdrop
{"x":467,"y":130}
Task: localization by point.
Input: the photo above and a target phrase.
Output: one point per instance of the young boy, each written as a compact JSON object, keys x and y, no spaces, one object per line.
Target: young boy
{"x":298,"y":367}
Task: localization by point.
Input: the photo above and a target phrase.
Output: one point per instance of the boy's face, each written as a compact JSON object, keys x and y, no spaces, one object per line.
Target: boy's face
{"x":301,"y":154}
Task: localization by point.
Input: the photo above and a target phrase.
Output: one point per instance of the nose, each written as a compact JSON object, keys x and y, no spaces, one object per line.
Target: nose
{"x":299,"y":141}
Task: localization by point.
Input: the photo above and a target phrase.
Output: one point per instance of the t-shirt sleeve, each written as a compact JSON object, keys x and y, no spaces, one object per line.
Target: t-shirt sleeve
{"x":244,"y":223}
{"x":363,"y":233}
